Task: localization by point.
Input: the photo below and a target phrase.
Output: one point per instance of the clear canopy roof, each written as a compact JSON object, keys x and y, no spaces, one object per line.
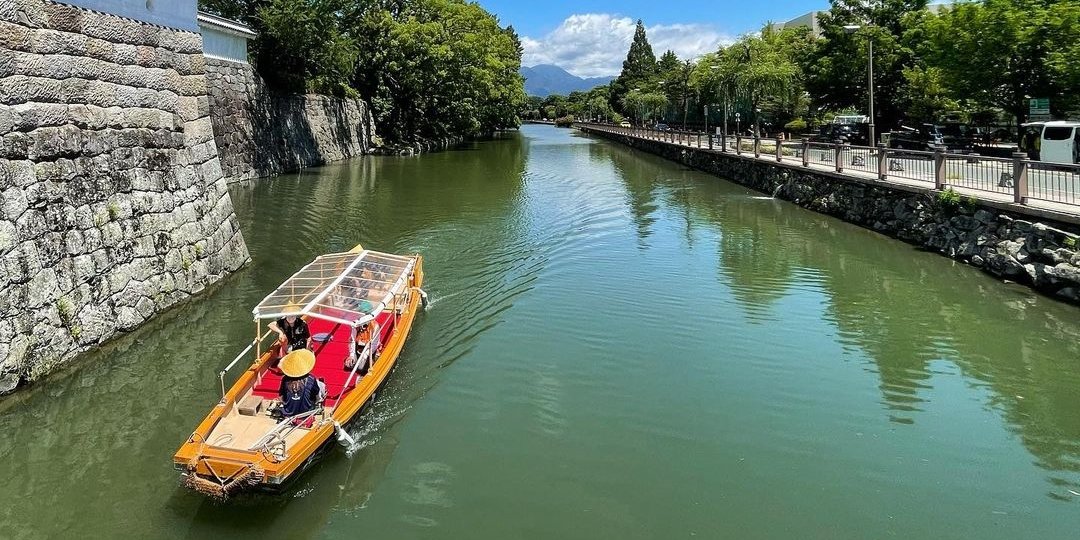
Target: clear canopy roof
{"x":343,"y":287}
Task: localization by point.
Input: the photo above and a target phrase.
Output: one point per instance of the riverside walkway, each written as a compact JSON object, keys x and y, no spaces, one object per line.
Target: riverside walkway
{"x":1019,"y":184}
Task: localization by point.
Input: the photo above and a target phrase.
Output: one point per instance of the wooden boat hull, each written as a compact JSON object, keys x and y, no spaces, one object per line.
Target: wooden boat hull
{"x":221,"y":471}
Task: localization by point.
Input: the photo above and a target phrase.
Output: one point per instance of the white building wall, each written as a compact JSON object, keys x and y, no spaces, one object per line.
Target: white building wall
{"x":179,"y":14}
{"x":224,"y":45}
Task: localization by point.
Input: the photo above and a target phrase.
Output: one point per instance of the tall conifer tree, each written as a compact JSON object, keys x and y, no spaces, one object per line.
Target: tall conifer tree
{"x":639,"y":68}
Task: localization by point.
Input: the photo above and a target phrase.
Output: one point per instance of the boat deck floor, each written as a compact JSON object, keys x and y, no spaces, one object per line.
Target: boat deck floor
{"x":241,"y":432}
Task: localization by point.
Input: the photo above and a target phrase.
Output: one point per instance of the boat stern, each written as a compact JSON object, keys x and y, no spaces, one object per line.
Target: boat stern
{"x":210,"y":472}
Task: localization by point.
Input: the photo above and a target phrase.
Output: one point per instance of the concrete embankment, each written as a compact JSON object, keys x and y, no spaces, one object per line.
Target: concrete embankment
{"x":1013,"y":245}
{"x":113,"y":204}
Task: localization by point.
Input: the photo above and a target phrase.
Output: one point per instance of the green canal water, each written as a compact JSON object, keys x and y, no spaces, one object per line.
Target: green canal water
{"x":617,"y":347}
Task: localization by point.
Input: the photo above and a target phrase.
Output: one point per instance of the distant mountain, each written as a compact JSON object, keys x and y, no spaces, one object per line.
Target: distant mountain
{"x":546,"y":79}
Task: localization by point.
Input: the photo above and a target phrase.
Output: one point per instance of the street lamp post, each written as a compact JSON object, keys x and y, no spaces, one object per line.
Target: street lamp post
{"x":707,"y":122}
{"x":851,"y":29}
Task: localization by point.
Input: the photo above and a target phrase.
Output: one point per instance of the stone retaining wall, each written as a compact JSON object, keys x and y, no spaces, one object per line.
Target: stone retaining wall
{"x":259,"y":133}
{"x":113,"y":206}
{"x":1041,"y":253}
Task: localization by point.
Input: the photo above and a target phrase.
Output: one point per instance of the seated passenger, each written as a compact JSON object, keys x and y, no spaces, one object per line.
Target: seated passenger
{"x":300,"y":392}
{"x":362,"y":305}
{"x":293,"y":333}
{"x":367,"y":334}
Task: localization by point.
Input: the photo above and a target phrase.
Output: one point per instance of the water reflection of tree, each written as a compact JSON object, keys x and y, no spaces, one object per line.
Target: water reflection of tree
{"x":639,"y":173}
{"x":907,"y":309}
{"x":758,"y":254}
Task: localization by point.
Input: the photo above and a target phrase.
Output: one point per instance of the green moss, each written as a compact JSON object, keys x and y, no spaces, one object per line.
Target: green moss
{"x":66,"y":309}
{"x":76,"y":331}
{"x":114,"y":210}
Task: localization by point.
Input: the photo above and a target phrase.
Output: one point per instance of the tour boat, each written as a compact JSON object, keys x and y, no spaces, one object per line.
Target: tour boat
{"x":243,"y":443}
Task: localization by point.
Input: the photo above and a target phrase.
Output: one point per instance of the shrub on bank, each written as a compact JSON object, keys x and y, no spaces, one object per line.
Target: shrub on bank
{"x":797,"y":125}
{"x":564,"y":121}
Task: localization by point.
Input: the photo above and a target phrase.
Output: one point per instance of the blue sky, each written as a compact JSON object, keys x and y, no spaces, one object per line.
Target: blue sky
{"x":590,"y":37}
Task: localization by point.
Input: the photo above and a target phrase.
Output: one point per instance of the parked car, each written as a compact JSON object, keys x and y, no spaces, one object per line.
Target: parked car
{"x":624,"y":123}
{"x":661,"y":127}
{"x":959,"y":137}
{"x":1052,"y":142}
{"x":855,"y":134}
{"x":926,"y":137}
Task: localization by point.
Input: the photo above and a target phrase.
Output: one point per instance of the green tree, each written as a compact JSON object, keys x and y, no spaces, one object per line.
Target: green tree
{"x":668,"y":62}
{"x":1001,"y":52}
{"x":1063,"y":55}
{"x":674,"y":79}
{"x":437,"y":68}
{"x":925,"y":95}
{"x":638,"y":70}
{"x":644,"y":105}
{"x":305,"y":44}
{"x":428,"y":68}
{"x":836,"y":69}
{"x":757,"y":72}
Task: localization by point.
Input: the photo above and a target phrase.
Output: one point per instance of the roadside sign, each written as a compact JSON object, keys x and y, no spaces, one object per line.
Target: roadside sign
{"x":1038,"y":109}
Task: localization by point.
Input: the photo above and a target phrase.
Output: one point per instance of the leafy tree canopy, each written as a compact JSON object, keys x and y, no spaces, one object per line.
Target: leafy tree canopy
{"x":428,"y":68}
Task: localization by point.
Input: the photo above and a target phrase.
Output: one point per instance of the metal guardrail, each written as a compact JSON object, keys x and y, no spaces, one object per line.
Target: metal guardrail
{"x":1019,"y":177}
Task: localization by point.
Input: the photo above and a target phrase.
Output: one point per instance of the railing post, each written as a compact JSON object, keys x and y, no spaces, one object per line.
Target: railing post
{"x":805,"y":152}
{"x":757,"y":146}
{"x":738,"y":144}
{"x":939,"y":169}
{"x":779,"y":150}
{"x":838,"y":154}
{"x":882,"y":162}
{"x":1020,"y":177}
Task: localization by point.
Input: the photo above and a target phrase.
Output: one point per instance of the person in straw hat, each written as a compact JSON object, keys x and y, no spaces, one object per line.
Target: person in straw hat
{"x":293,"y":333}
{"x":300,"y":392}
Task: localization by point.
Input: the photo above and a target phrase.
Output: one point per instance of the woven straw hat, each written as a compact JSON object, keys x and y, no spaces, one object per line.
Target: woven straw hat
{"x":298,"y":363}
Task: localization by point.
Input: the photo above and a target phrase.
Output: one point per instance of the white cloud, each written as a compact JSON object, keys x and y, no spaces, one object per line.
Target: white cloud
{"x":595,"y":44}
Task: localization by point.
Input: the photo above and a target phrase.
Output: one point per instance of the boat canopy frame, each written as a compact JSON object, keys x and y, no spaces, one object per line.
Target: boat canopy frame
{"x":349,"y":288}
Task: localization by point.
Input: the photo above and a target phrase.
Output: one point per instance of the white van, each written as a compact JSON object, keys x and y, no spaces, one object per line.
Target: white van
{"x":1052,"y":142}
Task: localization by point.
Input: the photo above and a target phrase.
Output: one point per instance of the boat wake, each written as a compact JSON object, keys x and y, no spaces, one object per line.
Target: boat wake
{"x":433,"y":301}
{"x":367,"y":432}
